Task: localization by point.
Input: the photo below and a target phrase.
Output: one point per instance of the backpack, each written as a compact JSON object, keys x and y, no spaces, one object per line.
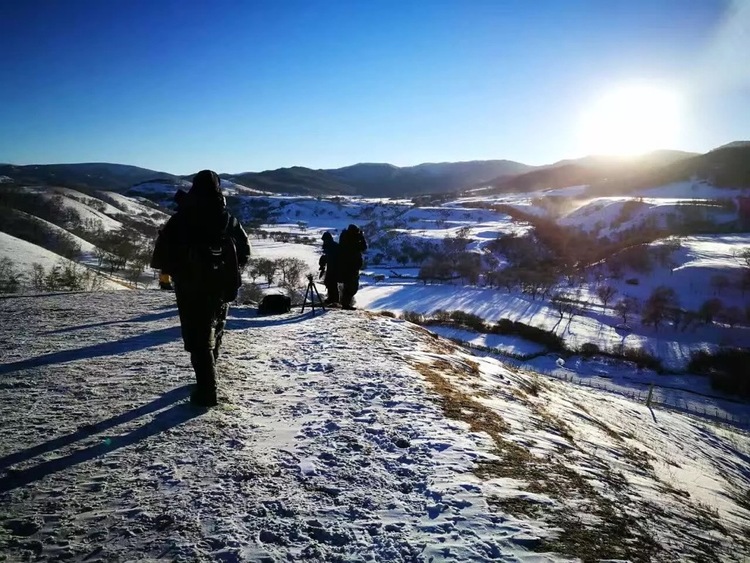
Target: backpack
{"x":214,"y":267}
{"x":275,"y":305}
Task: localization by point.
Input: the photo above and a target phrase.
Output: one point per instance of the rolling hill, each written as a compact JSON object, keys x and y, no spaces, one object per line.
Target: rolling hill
{"x":725,"y":165}
{"x":87,"y":176}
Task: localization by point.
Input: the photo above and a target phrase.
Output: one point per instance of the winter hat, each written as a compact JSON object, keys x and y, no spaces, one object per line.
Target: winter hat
{"x":327,"y":236}
{"x":206,"y":184}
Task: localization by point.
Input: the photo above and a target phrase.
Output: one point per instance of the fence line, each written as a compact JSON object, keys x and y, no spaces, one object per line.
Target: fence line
{"x":719,"y":415}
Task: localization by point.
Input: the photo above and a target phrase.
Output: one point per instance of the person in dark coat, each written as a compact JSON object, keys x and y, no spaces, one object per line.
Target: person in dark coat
{"x":329,"y":267}
{"x":351,"y":246}
{"x":201,"y":219}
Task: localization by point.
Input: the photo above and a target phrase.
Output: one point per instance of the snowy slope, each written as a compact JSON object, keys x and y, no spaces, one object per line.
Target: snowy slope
{"x":86,"y":247}
{"x":87,"y":213}
{"x":343,"y":437}
{"x":101,"y":205}
{"x":131,"y":206}
{"x":24,"y":254}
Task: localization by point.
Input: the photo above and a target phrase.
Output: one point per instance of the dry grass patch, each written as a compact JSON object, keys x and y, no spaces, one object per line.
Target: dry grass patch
{"x":460,"y":406}
{"x":608,"y":430}
{"x":614,"y":532}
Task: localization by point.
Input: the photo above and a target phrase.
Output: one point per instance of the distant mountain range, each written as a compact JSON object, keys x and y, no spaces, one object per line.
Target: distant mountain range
{"x":725,"y":165}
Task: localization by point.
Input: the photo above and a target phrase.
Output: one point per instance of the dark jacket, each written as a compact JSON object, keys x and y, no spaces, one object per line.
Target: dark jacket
{"x":201,"y":218}
{"x":330,"y":261}
{"x":351,"y":246}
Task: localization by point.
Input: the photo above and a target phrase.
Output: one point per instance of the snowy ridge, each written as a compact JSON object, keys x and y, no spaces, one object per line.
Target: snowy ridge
{"x":344,"y":436}
{"x":87,"y":213}
{"x":131,"y":206}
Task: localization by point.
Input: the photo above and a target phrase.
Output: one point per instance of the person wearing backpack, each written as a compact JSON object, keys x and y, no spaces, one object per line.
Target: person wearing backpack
{"x":203,"y":248}
{"x":329,"y":268}
{"x":351,"y":246}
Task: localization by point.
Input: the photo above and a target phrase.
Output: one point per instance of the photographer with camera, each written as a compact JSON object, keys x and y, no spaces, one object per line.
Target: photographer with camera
{"x":329,"y":268}
{"x":351,"y":246}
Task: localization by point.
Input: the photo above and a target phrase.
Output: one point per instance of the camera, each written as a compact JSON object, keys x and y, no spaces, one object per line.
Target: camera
{"x":310,"y":278}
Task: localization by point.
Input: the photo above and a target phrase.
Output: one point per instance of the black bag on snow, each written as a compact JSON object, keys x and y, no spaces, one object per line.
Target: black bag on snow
{"x":275,"y":305}
{"x":214,"y":266}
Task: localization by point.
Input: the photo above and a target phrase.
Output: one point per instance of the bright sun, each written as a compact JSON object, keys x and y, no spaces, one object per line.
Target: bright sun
{"x":631,"y":120}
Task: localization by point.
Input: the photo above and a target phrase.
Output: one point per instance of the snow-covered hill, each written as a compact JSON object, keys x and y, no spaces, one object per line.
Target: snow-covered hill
{"x":343,"y":436}
{"x":82,"y":205}
{"x":24,"y":255}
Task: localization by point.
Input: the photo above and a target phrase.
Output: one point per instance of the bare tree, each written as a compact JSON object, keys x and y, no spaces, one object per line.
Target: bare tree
{"x":626,"y":306}
{"x":10,"y":277}
{"x":267,"y":269}
{"x":719,"y":282}
{"x":605,"y":293}
{"x":657,"y":306}
{"x":709,"y":309}
{"x":37,"y":276}
{"x":291,"y":270}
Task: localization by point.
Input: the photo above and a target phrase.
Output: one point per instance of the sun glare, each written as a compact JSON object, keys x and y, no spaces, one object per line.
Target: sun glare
{"x":631,"y":120}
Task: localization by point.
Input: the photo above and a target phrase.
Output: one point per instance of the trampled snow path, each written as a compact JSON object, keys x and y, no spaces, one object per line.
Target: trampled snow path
{"x":331,"y":445}
{"x":326,"y":446}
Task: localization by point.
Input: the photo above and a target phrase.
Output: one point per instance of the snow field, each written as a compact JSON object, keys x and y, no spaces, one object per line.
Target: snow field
{"x":343,"y":436}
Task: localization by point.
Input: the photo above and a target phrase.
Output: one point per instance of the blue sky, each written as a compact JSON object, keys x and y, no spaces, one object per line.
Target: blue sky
{"x":238,"y":86}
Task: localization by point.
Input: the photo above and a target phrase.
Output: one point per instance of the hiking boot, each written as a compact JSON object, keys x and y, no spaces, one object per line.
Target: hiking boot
{"x":203,"y":398}
{"x":204,"y":394}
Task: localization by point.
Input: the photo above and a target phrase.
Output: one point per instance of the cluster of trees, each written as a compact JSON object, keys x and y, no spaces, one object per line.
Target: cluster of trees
{"x":727,"y":369}
{"x":663,"y":305}
{"x":475,"y":322}
{"x":282,"y":236}
{"x":291,"y":270}
{"x":62,"y":276}
{"x":122,"y":249}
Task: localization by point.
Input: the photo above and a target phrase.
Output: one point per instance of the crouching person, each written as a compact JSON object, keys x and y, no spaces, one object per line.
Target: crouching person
{"x":204,"y":249}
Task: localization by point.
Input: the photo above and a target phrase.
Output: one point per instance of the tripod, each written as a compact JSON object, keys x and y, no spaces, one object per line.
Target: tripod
{"x":311,"y":290}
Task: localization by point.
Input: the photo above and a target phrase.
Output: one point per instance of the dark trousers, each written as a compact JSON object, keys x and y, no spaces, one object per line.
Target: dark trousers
{"x":202,"y":322}
{"x":332,"y":288}
{"x":349,"y":289}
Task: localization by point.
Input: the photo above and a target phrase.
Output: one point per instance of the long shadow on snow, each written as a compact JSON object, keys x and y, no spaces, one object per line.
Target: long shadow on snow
{"x":270,"y":320}
{"x":165,"y":420}
{"x":142,"y":319}
{"x":90,"y":429}
{"x":139,"y":342}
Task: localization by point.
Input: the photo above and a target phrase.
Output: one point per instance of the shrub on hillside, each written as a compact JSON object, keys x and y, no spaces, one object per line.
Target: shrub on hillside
{"x":10,"y":277}
{"x":589,"y":349}
{"x":441,"y":316}
{"x":65,"y":276}
{"x":412,"y":317}
{"x":643,"y":358}
{"x":532,"y":333}
{"x":727,"y":369}
{"x":469,"y":320}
